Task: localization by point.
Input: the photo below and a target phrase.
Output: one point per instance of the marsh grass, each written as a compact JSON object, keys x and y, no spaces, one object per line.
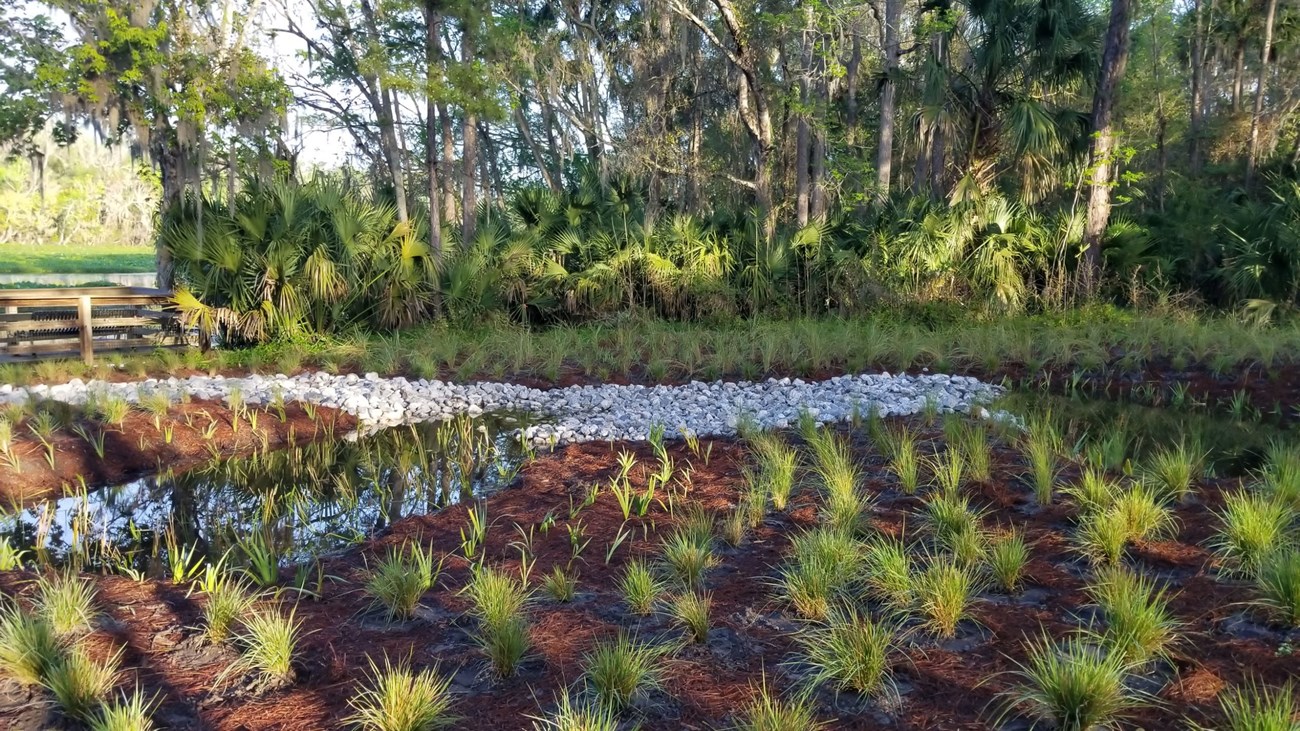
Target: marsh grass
{"x":944,"y":593}
{"x":1280,"y":475}
{"x":1042,"y":445}
{"x":767,"y":711}
{"x":1139,"y":623}
{"x":688,"y":556}
{"x":821,"y":566}
{"x":125,"y":713}
{"x":948,"y":514}
{"x":401,"y":578}
{"x":1175,"y":469}
{"x":733,"y":526}
{"x":269,"y":640}
{"x":79,"y":683}
{"x":497,"y":597}
{"x":1072,"y":685}
{"x":1277,"y":581}
{"x":505,"y":644}
{"x":1145,"y":516}
{"x":1102,"y":536}
{"x":691,"y":611}
{"x":1007,"y":557}
{"x":1251,"y":526}
{"x":574,"y":715}
{"x":777,"y":464}
{"x":843,"y":506}
{"x":850,"y":652}
{"x":560,"y":585}
{"x":617,"y":671}
{"x":947,"y":470}
{"x":29,"y":647}
{"x":888,"y":572}
{"x":904,"y":459}
{"x":639,"y":587}
{"x":1095,"y":490}
{"x":1256,"y":707}
{"x":66,"y":601}
{"x":226,"y":601}
{"x":397,"y":698}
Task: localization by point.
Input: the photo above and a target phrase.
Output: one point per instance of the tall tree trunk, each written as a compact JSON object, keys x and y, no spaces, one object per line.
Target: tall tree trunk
{"x":1195,"y":127}
{"x":1252,"y":152}
{"x":447,"y":163}
{"x":469,"y":141}
{"x":1114,"y":58}
{"x":167,"y":155}
{"x":885,"y":150}
{"x":803,"y":135}
{"x":852,"y":71}
{"x":432,"y":56}
{"x":379,"y":98}
{"x":1238,"y":72}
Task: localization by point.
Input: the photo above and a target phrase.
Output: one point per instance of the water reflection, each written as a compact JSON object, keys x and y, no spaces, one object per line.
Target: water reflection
{"x":295,"y":503}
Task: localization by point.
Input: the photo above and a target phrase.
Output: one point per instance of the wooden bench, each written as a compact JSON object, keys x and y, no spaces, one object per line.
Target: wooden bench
{"x":81,"y":321}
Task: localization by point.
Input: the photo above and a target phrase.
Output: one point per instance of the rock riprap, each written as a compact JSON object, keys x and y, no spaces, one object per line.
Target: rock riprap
{"x":570,"y":414}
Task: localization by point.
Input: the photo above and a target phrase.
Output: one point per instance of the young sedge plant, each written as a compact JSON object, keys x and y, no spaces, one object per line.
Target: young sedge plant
{"x":1041,"y":447}
{"x":850,"y":652}
{"x":1103,"y":536}
{"x":777,"y":463}
{"x":1072,"y":685}
{"x":820,"y":567}
{"x":226,"y":600}
{"x":888,"y":573}
{"x":947,"y":470}
{"x":945,"y":591}
{"x":66,"y":602}
{"x":499,"y":602}
{"x":560,"y":585}
{"x":29,"y":647}
{"x":639,"y":587}
{"x":617,"y":671}
{"x":397,"y":698}
{"x":1256,"y":707}
{"x":1007,"y":556}
{"x":1280,"y":476}
{"x":905,"y":460}
{"x":1139,"y":624}
{"x":1095,"y":491}
{"x":687,"y":557}
{"x":574,"y":715}
{"x":733,"y":526}
{"x":269,"y":640}
{"x":843,"y":507}
{"x":1252,"y":525}
{"x":768,"y":712}
{"x":1145,"y":516}
{"x":401,"y":578}
{"x":1277,"y":581}
{"x":949,"y":514}
{"x":971,"y":440}
{"x":690,"y":610}
{"x":79,"y":683}
{"x":125,"y":713}
{"x":1175,"y":469}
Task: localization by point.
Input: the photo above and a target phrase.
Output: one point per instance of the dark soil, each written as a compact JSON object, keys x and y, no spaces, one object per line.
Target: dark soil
{"x":954,"y":684}
{"x":138,"y":447}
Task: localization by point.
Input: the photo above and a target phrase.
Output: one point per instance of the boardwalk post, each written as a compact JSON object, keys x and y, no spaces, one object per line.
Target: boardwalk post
{"x":87,"y":329}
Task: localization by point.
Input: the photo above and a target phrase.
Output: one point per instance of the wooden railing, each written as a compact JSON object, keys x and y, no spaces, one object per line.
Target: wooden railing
{"x":82,"y":321}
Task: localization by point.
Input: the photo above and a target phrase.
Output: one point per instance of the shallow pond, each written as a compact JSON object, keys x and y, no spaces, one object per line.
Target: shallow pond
{"x":287,"y":505}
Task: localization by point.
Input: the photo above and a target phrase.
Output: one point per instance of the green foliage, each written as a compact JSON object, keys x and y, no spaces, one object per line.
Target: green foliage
{"x":126,"y":713}
{"x":821,"y":566}
{"x":688,"y":555}
{"x":66,"y":602}
{"x":571,"y":715}
{"x":1252,"y":526}
{"x":227,"y":600}
{"x":78,"y":682}
{"x":560,"y":585}
{"x":768,"y":712}
{"x":1073,"y":685}
{"x":617,"y":671}
{"x":402,"y":578}
{"x":397,"y":698}
{"x":944,"y":593}
{"x":690,"y":610}
{"x":1256,"y":707}
{"x":1278,"y":583}
{"x":1139,"y":623}
{"x":851,"y":652}
{"x":30,"y":649}
{"x":269,"y":641}
{"x":1008,"y":554}
{"x":639,"y":587}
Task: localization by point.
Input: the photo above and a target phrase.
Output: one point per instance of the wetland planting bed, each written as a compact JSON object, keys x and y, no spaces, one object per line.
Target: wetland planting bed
{"x":594,"y":511}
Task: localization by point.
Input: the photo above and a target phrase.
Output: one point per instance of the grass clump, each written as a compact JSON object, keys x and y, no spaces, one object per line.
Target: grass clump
{"x":843,"y":506}
{"x":1042,"y":445}
{"x":1175,"y":469}
{"x":768,"y":712}
{"x":904,"y":459}
{"x":690,"y":610}
{"x":821,"y":565}
{"x":29,"y":647}
{"x":399,"y":581}
{"x":499,"y":601}
{"x":777,"y":464}
{"x":226,"y":601}
{"x":639,"y":587}
{"x":947,"y":471}
{"x":688,"y":555}
{"x":1103,"y":536}
{"x":971,"y":439}
{"x":948,"y":515}
{"x":1255,"y":707}
{"x":79,"y":683}
{"x":1073,"y":685}
{"x":944,"y":592}
{"x":1145,"y":516}
{"x":396,"y":698}
{"x":570,"y":715}
{"x":1278,"y":583}
{"x":888,"y":572}
{"x":733,"y":526}
{"x":1280,"y":476}
{"x":1094,"y":492}
{"x":851,"y":652}
{"x":560,"y":585}
{"x":1139,"y":624}
{"x":66,"y":602}
{"x":617,"y":671}
{"x":1007,"y":556}
{"x":125,"y":713}
{"x":1252,"y":525}
{"x":270,"y":640}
